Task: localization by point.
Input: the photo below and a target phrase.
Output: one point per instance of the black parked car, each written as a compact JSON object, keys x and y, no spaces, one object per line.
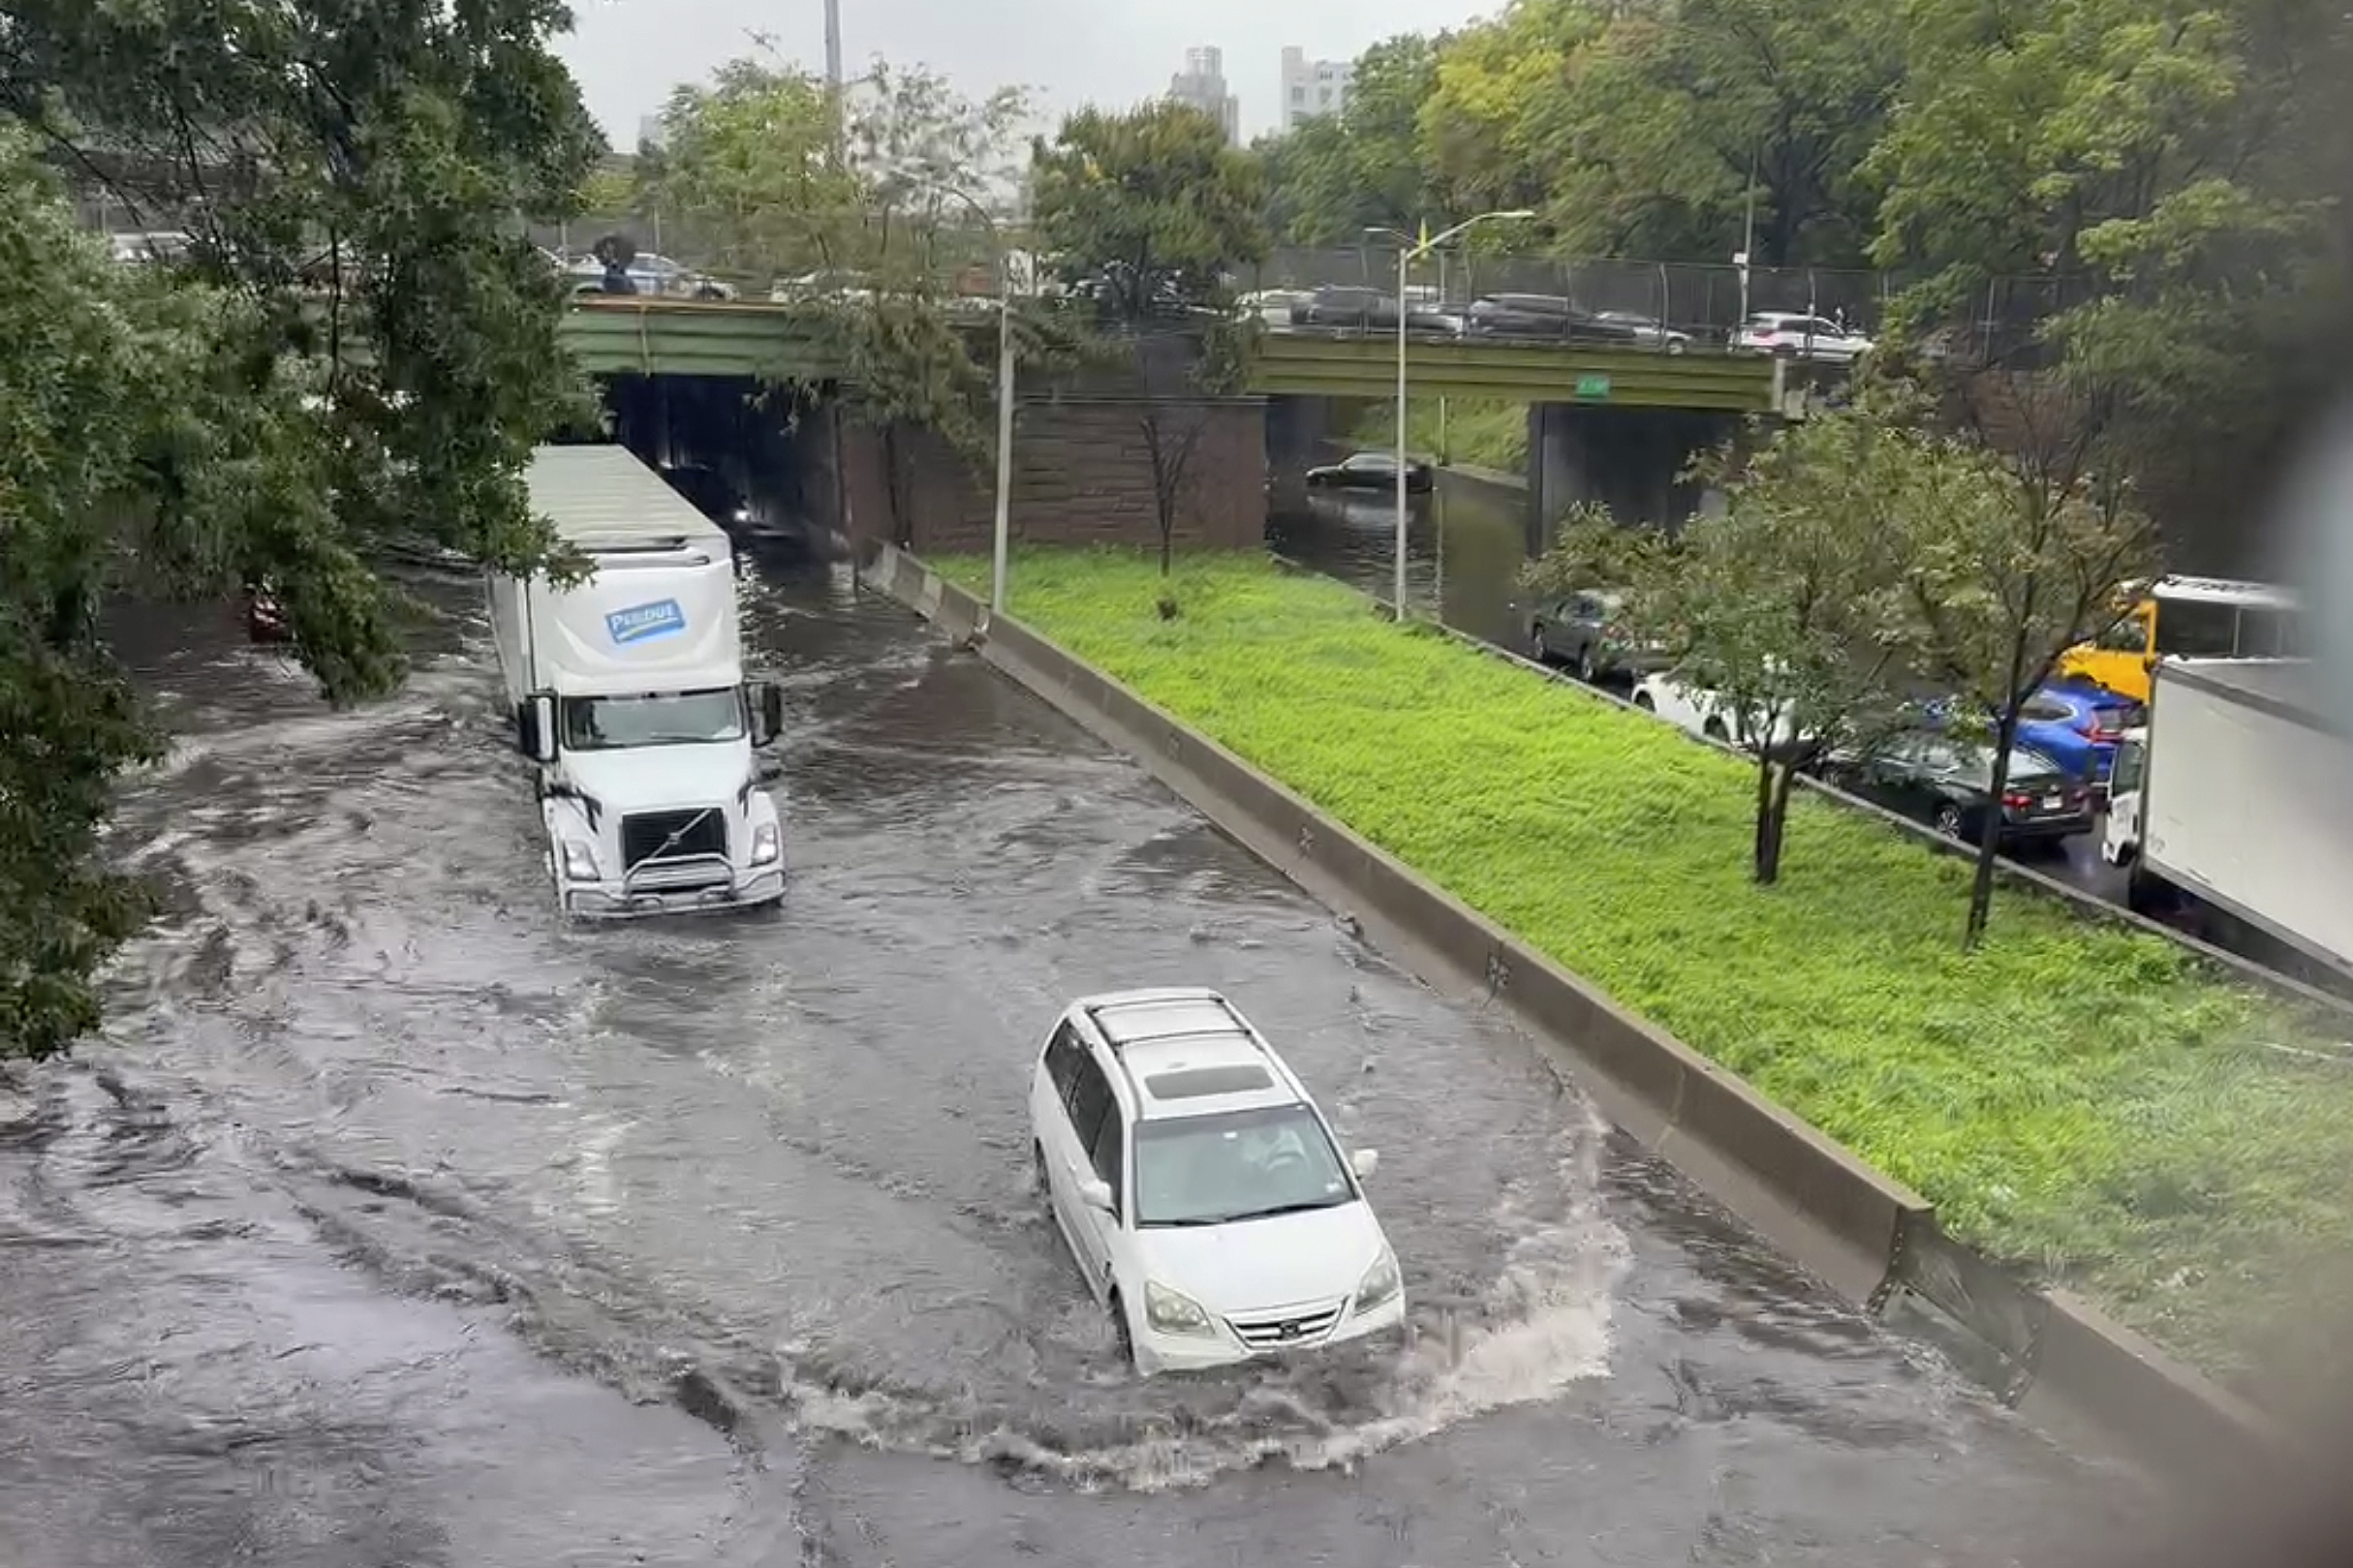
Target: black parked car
{"x":1582,"y":630}
{"x":1356,"y":306}
{"x":1553,"y":319}
{"x":1372,"y":471}
{"x":1948,"y":784}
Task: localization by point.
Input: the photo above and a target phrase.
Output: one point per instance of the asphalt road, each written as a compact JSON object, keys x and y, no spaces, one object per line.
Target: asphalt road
{"x":394,"y":1224}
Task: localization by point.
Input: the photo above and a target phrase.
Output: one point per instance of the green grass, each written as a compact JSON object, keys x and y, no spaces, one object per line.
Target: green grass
{"x":1479,"y":432}
{"x":2074,"y":1096}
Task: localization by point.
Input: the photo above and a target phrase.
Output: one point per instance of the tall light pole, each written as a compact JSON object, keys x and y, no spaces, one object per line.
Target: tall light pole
{"x":1409,"y":251}
{"x":1001,"y":543}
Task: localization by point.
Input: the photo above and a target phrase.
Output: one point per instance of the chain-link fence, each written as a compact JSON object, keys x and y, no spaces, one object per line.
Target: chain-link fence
{"x":1670,"y":305}
{"x":1705,"y":303}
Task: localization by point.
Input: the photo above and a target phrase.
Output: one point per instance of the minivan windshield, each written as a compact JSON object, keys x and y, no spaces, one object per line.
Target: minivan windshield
{"x":653,"y":719}
{"x":1215,"y":1170}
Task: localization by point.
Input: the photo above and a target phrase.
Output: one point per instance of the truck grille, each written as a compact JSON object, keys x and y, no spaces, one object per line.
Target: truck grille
{"x":1289,"y":1330}
{"x":645,"y":836}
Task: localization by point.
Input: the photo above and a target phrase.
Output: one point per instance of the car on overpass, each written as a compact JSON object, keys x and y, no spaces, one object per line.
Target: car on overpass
{"x":1801,"y":336}
{"x":1202,"y":1193}
{"x":1373,"y":471}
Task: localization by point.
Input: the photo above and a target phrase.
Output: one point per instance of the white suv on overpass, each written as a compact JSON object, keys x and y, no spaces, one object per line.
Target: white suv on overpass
{"x":1203,"y":1194}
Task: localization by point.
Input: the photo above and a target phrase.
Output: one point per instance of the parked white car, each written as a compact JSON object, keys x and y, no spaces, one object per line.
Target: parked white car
{"x":1802,"y":336}
{"x":1699,"y":711}
{"x":1203,"y":1195}
{"x":2120,"y":835}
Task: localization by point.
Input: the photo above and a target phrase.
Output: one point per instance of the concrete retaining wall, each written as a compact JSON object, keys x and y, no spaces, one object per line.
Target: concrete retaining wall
{"x":1869,"y":1237}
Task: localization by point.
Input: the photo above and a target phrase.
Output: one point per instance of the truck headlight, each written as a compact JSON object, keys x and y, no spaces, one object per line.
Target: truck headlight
{"x":580,"y":861}
{"x":766,"y":844}
{"x":1170,"y":1311}
{"x":1379,"y":1285}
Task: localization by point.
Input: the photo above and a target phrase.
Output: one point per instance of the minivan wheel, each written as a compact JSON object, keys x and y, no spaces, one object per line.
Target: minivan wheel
{"x":1121,"y":1335}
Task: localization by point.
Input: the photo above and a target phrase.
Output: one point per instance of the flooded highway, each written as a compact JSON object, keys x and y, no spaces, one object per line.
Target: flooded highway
{"x":393,"y":1222}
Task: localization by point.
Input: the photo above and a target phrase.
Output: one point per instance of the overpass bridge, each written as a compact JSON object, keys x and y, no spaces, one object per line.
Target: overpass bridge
{"x":678,"y":337}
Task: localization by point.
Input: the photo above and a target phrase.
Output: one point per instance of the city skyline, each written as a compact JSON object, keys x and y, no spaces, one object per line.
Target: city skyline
{"x":629,"y":54}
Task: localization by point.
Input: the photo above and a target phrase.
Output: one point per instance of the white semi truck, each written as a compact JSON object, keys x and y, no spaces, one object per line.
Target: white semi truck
{"x":2234,"y":810}
{"x":628,"y":693}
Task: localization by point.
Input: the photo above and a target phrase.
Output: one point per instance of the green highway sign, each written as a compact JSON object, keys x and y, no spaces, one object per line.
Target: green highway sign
{"x":1593,"y":386}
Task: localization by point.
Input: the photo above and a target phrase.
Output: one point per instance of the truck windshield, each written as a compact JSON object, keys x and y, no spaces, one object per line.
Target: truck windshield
{"x":653,"y":719}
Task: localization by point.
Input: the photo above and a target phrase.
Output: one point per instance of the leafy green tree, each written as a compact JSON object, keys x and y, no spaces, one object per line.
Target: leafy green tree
{"x":2010,"y":562}
{"x":751,"y":166}
{"x":1792,"y":604}
{"x":1150,"y":206}
{"x":1339,"y":175}
{"x":866,"y":212}
{"x":362,"y":349}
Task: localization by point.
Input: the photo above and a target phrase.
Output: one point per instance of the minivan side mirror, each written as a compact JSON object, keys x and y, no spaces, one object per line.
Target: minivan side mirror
{"x":534,"y":727}
{"x":1364,"y":1162}
{"x":767,"y":712}
{"x":1096,"y":1193}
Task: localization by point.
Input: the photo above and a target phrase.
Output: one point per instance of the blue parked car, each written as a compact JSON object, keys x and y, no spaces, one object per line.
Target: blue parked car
{"x":2078,"y":726}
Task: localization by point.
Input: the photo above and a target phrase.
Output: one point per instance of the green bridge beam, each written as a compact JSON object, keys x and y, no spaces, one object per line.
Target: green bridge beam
{"x":730,"y":338}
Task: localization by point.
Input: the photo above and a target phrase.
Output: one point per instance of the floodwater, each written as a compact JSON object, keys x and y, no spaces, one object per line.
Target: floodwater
{"x":1465,"y":546}
{"x":396,"y":1224}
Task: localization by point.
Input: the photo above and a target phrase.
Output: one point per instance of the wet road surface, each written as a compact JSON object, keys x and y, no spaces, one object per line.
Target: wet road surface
{"x":1465,"y":543}
{"x":395,"y":1223}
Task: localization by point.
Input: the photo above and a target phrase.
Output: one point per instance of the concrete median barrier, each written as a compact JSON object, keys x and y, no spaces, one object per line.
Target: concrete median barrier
{"x":1865,"y":1235}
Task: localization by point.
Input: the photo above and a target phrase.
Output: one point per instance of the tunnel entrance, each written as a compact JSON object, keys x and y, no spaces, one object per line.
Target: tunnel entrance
{"x":756,"y":457}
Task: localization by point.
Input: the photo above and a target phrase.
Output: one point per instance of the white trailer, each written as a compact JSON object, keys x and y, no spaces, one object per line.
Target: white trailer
{"x":2234,"y":810}
{"x":628,"y":697}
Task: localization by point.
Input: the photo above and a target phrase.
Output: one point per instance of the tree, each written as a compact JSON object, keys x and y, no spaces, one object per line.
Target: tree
{"x":1337,"y":175}
{"x":869,"y":212}
{"x":2008,"y":564}
{"x":1184,"y":372}
{"x":362,"y":349}
{"x":750,"y":165}
{"x":1151,"y":207}
{"x":140,"y":452}
{"x":1792,"y":604}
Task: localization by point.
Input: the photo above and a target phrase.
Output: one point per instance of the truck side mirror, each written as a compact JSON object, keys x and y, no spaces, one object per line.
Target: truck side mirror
{"x":534,"y":728}
{"x":767,"y":712}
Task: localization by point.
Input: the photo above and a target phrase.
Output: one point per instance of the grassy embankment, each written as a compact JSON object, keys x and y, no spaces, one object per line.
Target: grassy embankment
{"x":2073,"y":1097}
{"x":1480,"y":432}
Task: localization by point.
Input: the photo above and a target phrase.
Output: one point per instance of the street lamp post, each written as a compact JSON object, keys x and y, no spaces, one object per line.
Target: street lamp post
{"x":1001,"y":543}
{"x":1409,"y":251}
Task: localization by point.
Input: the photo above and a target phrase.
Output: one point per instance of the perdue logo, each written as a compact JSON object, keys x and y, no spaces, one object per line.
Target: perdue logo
{"x":642,"y":623}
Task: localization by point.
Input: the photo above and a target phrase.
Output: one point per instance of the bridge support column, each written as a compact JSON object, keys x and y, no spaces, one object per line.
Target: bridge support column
{"x":1296,"y":430}
{"x":1629,"y":460}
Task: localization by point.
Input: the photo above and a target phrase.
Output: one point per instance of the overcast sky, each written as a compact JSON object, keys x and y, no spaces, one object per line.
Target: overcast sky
{"x":629,"y":53}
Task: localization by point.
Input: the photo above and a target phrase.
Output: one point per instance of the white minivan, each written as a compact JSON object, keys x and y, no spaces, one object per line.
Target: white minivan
{"x":1201,"y":1191}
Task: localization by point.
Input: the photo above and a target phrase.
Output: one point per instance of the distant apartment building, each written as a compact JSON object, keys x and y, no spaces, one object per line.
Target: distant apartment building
{"x":1202,"y":84}
{"x":651,"y":132}
{"x":1313,"y":87}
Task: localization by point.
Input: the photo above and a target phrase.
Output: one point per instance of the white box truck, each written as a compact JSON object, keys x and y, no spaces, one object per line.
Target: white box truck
{"x":628,"y":693}
{"x":2234,"y":809}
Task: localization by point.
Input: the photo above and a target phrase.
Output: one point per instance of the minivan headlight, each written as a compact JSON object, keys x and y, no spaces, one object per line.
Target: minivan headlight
{"x":1379,"y":1285}
{"x":579,"y":861}
{"x":1170,"y":1311}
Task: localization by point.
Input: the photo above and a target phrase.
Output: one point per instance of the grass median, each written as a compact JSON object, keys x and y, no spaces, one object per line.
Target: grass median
{"x":2074,"y":1096}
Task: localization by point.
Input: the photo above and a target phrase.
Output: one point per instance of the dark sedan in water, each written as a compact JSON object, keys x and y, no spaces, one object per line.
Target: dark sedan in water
{"x":1948,"y":784}
{"x":1372,"y":471}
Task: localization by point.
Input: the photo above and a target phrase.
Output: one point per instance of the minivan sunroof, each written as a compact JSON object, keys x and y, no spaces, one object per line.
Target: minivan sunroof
{"x":1194,"y":1083}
